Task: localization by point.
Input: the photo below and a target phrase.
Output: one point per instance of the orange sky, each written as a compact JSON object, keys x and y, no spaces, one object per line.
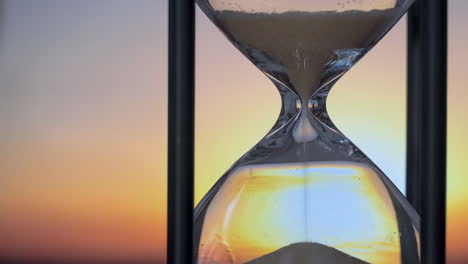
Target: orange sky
{"x":83,"y":97}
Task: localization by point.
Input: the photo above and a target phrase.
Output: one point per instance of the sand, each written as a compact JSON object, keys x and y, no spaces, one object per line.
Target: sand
{"x":307,"y":253}
{"x":302,"y":43}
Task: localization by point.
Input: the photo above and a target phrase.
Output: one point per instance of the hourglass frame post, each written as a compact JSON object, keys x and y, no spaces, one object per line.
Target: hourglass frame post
{"x":414,"y":109}
{"x":427,"y":123}
{"x":181,"y":105}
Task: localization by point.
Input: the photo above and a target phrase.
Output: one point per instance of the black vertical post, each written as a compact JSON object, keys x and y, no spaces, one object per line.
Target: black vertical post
{"x":181,"y":131}
{"x":433,"y":136}
{"x":428,"y":93}
{"x":414,"y":122}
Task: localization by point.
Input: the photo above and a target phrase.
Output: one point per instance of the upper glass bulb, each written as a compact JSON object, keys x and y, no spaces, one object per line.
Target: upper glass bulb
{"x":304,"y":43}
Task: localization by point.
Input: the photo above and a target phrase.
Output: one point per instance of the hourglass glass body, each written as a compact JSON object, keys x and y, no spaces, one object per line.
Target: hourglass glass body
{"x":305,"y":193}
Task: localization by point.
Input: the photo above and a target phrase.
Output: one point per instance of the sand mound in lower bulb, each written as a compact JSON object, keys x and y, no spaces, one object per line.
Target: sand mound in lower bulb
{"x":307,"y":253}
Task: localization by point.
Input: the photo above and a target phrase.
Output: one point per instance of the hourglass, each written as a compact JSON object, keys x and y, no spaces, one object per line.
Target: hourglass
{"x":305,"y":193}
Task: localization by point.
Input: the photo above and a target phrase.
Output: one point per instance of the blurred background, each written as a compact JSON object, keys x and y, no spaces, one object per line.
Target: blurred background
{"x":83,"y":91}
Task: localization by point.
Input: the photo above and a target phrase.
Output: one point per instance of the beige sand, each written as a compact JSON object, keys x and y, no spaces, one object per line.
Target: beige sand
{"x":303,"y":42}
{"x":307,"y":253}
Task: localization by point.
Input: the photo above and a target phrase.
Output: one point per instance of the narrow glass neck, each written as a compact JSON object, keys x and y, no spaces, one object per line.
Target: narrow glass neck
{"x":302,"y":133}
{"x":303,"y":111}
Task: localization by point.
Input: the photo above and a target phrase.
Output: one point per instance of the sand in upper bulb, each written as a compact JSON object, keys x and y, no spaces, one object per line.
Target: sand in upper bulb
{"x":304,"y":42}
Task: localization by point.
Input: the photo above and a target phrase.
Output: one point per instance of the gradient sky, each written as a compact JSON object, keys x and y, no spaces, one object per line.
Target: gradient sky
{"x":83,"y":112}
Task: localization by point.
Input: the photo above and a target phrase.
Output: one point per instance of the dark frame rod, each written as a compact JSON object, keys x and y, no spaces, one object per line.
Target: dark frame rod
{"x":434,"y":131}
{"x":414,"y":109}
{"x":427,"y":123}
{"x":181,"y":131}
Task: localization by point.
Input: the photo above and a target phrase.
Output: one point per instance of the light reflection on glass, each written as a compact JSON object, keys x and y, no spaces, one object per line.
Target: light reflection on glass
{"x":262,"y":208}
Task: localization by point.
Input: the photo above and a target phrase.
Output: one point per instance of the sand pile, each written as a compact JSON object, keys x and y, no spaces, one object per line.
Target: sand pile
{"x":307,"y":253}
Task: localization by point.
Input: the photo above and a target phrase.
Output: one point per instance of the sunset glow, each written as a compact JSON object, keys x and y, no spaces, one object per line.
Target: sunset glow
{"x":83,"y":113}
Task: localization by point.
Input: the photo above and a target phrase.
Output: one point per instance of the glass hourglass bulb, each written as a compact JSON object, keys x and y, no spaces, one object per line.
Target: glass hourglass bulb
{"x":305,"y":193}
